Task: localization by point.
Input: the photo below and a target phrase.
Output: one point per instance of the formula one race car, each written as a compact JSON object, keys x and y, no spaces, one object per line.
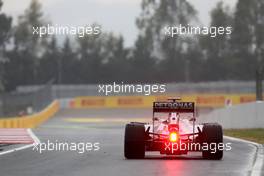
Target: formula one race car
{"x":173,"y":131}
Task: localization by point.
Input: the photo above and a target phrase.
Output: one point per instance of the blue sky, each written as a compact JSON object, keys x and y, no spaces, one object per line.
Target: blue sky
{"x":114,"y":15}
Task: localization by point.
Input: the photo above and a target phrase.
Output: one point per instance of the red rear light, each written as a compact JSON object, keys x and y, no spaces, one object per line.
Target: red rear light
{"x":173,"y":137}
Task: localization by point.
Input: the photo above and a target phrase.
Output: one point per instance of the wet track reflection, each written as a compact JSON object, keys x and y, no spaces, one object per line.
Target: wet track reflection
{"x":110,"y":159}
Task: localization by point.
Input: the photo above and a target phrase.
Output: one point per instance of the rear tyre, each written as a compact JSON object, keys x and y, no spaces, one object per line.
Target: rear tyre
{"x":134,"y":141}
{"x":212,"y":135}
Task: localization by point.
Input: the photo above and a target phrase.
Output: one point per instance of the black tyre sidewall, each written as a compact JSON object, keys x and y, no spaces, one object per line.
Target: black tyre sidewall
{"x":134,"y":145}
{"x":212,"y":133}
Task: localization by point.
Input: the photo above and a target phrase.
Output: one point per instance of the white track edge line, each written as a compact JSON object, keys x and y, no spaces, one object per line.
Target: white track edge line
{"x":259,"y":161}
{"x":241,"y":140}
{"x":34,"y":137}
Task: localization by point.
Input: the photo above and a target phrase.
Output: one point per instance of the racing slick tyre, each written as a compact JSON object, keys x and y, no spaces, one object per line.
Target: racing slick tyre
{"x":212,"y":134}
{"x":134,"y":141}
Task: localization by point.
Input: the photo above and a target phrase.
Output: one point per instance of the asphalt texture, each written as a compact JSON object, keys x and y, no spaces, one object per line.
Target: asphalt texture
{"x":106,"y":127}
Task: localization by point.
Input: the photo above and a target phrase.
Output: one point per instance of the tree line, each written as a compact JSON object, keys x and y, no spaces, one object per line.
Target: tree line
{"x":27,"y":59}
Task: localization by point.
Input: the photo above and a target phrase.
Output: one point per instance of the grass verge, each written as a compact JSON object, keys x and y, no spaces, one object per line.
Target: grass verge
{"x":254,"y":135}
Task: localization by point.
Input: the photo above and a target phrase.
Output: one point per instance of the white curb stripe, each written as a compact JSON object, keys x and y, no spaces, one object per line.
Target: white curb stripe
{"x":259,"y":161}
{"x":257,"y":169}
{"x":241,"y":140}
{"x":34,"y":137}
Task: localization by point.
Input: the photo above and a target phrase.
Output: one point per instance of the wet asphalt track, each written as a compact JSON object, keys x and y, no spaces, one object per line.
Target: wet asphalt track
{"x":109,"y":132}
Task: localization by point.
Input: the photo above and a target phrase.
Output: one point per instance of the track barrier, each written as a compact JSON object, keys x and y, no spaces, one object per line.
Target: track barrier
{"x":100,"y":102}
{"x":30,"y":121}
{"x":201,"y":100}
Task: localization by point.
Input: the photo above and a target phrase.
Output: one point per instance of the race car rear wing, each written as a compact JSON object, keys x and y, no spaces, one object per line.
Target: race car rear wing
{"x":187,"y":107}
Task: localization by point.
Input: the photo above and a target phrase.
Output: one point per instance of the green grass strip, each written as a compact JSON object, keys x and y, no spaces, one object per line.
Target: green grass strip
{"x":254,"y":135}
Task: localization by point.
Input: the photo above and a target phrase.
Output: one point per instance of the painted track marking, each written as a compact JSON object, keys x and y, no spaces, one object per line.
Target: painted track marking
{"x":34,"y":137}
{"x":259,"y":156}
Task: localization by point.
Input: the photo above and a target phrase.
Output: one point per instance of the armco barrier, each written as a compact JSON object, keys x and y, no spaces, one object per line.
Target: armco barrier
{"x":31,"y":121}
{"x":201,"y":100}
{"x":248,"y":115}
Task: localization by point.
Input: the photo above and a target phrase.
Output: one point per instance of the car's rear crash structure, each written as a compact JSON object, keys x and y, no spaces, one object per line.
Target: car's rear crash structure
{"x":176,"y":134}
